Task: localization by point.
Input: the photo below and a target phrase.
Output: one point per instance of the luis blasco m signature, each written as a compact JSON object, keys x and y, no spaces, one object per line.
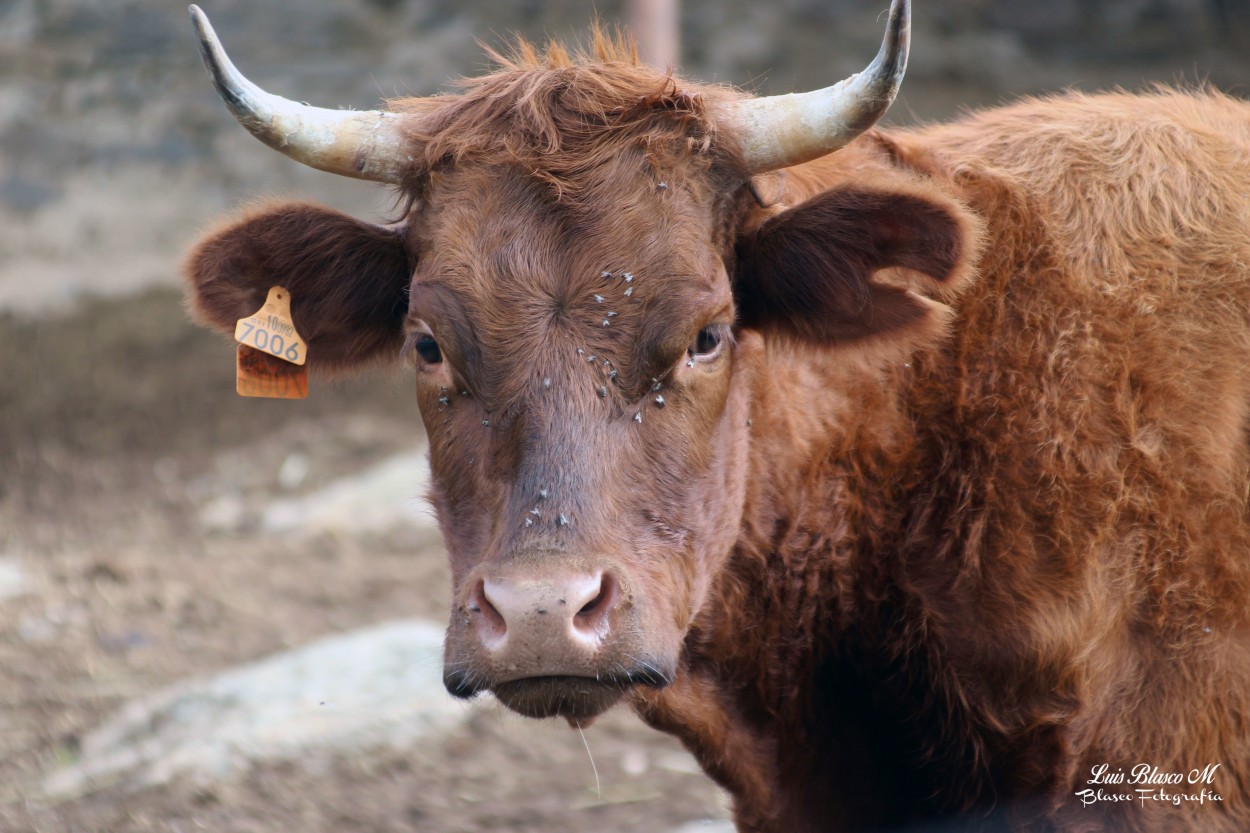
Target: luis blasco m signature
{"x":1149,"y":783}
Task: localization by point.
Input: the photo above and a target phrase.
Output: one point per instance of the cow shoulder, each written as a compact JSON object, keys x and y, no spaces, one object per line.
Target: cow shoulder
{"x":870,"y":256}
{"x":347,"y":278}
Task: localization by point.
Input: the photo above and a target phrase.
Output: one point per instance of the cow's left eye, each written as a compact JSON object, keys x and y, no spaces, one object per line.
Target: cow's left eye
{"x":427,"y":349}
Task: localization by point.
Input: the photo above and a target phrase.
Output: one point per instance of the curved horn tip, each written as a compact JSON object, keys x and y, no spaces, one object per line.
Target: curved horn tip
{"x":902,"y":10}
{"x":898,"y":30}
{"x":200,"y":20}
{"x":890,"y":63}
{"x":358,"y":144}
{"x":780,"y":131}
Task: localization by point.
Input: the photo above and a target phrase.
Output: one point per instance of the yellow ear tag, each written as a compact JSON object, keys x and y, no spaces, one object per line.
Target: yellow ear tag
{"x":271,"y":330}
{"x":271,"y":354}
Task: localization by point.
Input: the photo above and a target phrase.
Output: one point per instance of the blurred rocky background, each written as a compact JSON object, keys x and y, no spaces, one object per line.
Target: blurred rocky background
{"x":114,"y":150}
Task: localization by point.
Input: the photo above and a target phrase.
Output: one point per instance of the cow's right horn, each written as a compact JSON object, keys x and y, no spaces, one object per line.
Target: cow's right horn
{"x":365,"y":144}
{"x":783,"y":130}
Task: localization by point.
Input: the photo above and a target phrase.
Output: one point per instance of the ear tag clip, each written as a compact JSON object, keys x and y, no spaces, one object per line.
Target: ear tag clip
{"x":271,"y":354}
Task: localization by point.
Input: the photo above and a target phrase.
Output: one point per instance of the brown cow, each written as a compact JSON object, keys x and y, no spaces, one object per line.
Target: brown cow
{"x":901,"y":483}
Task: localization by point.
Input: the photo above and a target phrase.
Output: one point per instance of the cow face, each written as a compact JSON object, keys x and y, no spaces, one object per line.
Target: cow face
{"x":584,"y":282}
{"x":575,"y":370}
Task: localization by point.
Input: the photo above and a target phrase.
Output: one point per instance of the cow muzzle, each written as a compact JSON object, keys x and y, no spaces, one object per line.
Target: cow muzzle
{"x":549,"y":643}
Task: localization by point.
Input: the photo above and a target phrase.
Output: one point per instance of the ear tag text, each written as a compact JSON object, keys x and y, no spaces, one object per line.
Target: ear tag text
{"x":271,"y":330}
{"x":271,"y":354}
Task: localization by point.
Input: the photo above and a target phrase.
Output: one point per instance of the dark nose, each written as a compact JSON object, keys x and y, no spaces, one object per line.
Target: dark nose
{"x":560,"y":616}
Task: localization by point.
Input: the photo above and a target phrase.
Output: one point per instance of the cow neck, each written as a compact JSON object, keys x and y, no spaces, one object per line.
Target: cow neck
{"x":825,"y":486}
{"x":831,"y":448}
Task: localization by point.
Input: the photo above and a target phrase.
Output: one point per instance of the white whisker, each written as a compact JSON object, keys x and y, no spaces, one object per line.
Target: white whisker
{"x":593,"y":768}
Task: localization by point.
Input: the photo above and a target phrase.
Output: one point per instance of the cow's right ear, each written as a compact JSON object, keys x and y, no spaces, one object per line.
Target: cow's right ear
{"x":348,"y":279}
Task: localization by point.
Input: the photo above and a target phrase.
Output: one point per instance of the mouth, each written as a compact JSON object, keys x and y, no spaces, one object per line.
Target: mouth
{"x":573,"y":698}
{"x":576,"y":699}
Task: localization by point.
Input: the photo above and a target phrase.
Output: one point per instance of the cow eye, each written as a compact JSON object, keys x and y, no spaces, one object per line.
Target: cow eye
{"x":427,"y":349}
{"x":707,"y":343}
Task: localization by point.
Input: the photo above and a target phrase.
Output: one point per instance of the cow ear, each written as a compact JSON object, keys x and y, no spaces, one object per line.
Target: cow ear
{"x":816,"y":270}
{"x":348,"y":279}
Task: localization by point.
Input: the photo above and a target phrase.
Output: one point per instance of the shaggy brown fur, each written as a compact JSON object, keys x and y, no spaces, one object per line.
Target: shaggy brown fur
{"x":960,"y":513}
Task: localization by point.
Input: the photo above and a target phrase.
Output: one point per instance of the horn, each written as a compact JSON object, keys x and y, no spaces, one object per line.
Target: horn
{"x":783,"y":130}
{"x":366,"y":144}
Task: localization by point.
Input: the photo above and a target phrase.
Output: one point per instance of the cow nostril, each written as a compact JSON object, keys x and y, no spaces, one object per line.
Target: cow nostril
{"x":594,"y":614}
{"x":591,"y":605}
{"x":491,"y":622}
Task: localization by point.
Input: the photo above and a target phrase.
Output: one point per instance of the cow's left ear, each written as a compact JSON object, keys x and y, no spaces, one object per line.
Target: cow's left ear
{"x":816,"y":270}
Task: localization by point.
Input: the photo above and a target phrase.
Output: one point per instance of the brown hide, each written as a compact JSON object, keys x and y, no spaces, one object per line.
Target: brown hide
{"x":957,"y":514}
{"x":988,"y":568}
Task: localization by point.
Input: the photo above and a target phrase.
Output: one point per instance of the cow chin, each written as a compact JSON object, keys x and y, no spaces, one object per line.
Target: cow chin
{"x":576,"y":699}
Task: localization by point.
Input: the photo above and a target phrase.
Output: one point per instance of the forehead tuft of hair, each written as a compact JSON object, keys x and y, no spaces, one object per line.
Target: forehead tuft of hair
{"x":615,"y":46}
{"x":560,"y":112}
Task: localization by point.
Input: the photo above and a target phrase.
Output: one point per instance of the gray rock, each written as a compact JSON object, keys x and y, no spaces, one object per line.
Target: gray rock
{"x":371,"y":688}
{"x":707,"y":826}
{"x":224,"y":513}
{"x":382,"y":498}
{"x":13,"y":580}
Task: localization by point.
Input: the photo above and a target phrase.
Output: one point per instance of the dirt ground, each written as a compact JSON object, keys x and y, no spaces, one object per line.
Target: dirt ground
{"x":118,"y":425}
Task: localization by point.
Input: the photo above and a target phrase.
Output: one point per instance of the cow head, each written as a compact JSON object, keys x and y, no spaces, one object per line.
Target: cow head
{"x":583,"y":277}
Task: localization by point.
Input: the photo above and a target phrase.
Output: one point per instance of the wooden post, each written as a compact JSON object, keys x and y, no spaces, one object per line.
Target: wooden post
{"x":657,"y":26}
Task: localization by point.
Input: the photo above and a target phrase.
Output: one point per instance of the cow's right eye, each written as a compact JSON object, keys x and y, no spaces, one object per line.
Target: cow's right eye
{"x":707,"y":344}
{"x":427,"y":349}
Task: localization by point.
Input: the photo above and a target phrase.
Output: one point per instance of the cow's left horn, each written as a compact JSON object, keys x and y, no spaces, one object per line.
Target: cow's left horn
{"x":783,"y":130}
{"x":365,"y":144}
